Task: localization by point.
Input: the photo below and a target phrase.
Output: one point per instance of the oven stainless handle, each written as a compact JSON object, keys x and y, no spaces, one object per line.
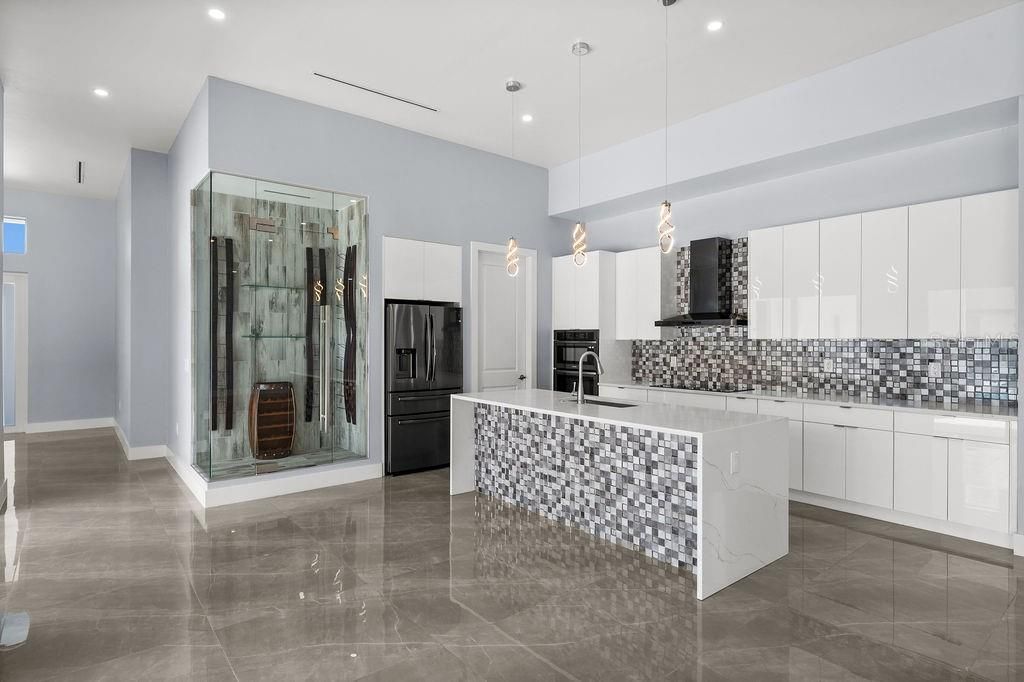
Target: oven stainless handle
{"x":421,"y":420}
{"x":402,"y":399}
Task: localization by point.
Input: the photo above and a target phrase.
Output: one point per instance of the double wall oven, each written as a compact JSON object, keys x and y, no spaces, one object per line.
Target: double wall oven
{"x":569,"y":347}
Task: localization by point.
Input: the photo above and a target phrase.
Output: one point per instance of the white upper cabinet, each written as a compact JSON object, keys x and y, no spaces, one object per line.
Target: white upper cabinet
{"x":638,"y":293}
{"x":584,"y":297}
{"x":839,"y":303}
{"x":422,"y":271}
{"x":800,"y":280}
{"x":563,"y":293}
{"x":883,"y":281}
{"x":934,"y":248}
{"x":988,"y":265}
{"x":442,"y":272}
{"x":765,"y":284}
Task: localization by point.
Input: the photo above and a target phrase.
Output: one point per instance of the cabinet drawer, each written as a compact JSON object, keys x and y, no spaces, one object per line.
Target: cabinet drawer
{"x":781,"y":408}
{"x":741,"y":404}
{"x":849,"y":416}
{"x":624,"y":392}
{"x":951,"y":426}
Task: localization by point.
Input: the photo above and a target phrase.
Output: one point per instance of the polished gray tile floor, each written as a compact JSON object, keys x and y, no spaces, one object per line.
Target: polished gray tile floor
{"x":121,"y":577}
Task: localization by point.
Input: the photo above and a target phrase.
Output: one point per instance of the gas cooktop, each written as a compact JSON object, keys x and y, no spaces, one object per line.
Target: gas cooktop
{"x":723,"y":388}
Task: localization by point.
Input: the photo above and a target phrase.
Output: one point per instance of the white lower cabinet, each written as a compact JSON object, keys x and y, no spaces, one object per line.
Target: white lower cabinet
{"x":622,"y":392}
{"x":741,"y":404}
{"x":869,"y":466}
{"x":979,"y":484}
{"x":825,"y":459}
{"x":920,"y":475}
{"x":795,"y":413}
{"x":711,"y":402}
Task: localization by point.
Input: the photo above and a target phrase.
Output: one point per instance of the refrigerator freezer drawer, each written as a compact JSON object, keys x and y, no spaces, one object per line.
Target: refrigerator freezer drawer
{"x":419,"y":401}
{"x":418,"y":442}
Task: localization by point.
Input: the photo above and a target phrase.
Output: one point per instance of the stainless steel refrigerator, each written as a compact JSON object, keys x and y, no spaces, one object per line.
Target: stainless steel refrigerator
{"x":422,"y":369}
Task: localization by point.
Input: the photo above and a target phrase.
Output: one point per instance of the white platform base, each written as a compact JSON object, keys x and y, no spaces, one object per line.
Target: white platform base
{"x":71,"y":425}
{"x":219,"y":493}
{"x":989,"y":537}
{"x":143,"y":452}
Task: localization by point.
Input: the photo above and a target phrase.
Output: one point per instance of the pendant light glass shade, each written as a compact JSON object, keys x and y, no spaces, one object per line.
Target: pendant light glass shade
{"x":579,"y":244}
{"x":512,"y":258}
{"x":665,"y":228}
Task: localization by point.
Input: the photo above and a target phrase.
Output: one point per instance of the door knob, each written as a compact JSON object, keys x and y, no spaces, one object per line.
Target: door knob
{"x":522,"y":376}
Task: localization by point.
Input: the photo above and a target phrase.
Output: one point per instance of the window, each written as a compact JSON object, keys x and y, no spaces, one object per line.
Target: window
{"x":15,"y":235}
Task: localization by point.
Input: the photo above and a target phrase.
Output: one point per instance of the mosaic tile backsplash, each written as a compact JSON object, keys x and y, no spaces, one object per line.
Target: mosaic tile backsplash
{"x":634,"y":487}
{"x":970,"y":369}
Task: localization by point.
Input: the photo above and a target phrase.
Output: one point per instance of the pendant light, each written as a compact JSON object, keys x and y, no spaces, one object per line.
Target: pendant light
{"x":512,"y":258}
{"x":579,"y":231}
{"x":512,"y":249}
{"x":665,"y":227}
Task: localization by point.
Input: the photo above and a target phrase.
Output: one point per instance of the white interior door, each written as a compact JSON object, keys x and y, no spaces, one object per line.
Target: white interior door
{"x":504,"y":320}
{"x":15,"y":351}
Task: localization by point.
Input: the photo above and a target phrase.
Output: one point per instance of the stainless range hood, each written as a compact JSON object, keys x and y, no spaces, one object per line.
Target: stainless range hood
{"x":710,"y":286}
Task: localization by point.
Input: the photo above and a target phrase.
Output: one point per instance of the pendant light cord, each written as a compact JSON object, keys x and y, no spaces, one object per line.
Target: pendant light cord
{"x":579,"y":131}
{"x":666,"y":102}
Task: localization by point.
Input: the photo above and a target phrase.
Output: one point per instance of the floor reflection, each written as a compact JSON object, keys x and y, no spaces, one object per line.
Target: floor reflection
{"x":124,"y":578}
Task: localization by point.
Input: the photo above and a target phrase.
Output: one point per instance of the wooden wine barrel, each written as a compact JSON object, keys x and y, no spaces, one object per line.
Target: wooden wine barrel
{"x":271,"y":420}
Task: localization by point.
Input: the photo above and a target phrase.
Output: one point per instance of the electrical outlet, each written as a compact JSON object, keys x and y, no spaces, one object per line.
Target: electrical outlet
{"x":734,"y":462}
{"x":830,"y":365}
{"x":934,"y":369}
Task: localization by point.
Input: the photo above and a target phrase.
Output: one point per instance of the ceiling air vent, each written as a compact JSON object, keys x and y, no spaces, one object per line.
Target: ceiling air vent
{"x":375,"y":92}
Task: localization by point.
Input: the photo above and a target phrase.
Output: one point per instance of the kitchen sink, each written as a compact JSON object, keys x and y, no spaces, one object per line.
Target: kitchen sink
{"x":595,"y":401}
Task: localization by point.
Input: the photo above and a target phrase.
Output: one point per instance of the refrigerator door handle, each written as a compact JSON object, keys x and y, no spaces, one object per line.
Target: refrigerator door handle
{"x":433,"y":349}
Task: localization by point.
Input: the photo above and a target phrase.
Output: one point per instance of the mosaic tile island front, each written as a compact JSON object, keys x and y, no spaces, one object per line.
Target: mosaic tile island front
{"x":704,"y":491}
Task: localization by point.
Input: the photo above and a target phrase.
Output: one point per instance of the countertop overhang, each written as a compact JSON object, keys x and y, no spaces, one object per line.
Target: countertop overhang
{"x":662,"y":417}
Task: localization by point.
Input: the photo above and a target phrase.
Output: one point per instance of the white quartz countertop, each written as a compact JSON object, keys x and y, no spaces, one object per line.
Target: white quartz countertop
{"x":999,"y":411}
{"x":686,"y":421}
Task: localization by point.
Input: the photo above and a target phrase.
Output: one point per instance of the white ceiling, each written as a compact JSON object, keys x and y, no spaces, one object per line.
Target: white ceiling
{"x":455,"y":55}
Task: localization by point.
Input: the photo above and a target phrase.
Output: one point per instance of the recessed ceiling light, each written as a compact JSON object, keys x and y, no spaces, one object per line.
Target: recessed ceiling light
{"x":100,"y":92}
{"x":527,"y":118}
{"x":715,"y":25}
{"x":217,"y":14}
{"x":353,"y":201}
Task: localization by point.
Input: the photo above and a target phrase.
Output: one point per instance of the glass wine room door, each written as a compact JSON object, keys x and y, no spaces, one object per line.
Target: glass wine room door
{"x":285,"y":326}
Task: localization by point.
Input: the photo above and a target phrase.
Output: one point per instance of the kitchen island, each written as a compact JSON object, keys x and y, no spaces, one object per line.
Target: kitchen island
{"x":703,"y":490}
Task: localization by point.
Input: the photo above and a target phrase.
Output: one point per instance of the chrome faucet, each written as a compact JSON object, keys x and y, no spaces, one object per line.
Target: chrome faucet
{"x":579,"y":377}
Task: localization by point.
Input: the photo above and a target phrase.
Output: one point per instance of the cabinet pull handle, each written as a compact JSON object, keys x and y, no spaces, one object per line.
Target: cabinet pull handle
{"x":845,"y":407}
{"x":779,"y":401}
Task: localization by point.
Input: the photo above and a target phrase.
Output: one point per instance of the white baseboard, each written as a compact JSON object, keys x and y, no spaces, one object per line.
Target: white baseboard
{"x":141,"y":452}
{"x":989,"y":537}
{"x":195,"y":483}
{"x":1018,"y":544}
{"x":71,"y":425}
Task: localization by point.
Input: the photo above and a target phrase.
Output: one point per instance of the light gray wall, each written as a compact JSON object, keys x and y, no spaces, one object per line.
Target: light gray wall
{"x":71,"y":294}
{"x":418,"y":187}
{"x":122,"y":304}
{"x":966,"y":165}
{"x":188,"y":160}
{"x":1020,"y":308}
{"x":150,"y":298}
